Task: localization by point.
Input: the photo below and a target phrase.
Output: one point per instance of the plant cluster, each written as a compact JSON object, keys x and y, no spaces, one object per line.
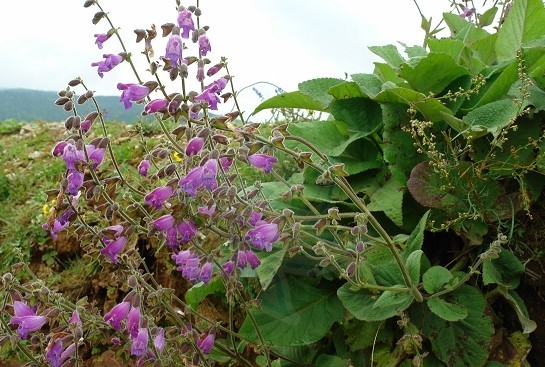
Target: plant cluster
{"x":378,"y":236}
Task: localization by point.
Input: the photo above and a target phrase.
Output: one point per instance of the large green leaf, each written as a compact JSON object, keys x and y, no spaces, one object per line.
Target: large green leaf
{"x":270,"y":262}
{"x":318,"y":90}
{"x":346,"y":90}
{"x":505,"y":270}
{"x":447,"y":310}
{"x":523,"y":24}
{"x":324,"y":135}
{"x":370,"y":84}
{"x":291,"y":100}
{"x":463,"y":343}
{"x":359,"y":114}
{"x":389,"y":199}
{"x":368,"y":306}
{"x":493,"y":116}
{"x":433,"y":73}
{"x":416,"y":239}
{"x":200,"y":291}
{"x":293,"y":312}
{"x":435,"y":277}
{"x":388,"y":53}
{"x":359,"y":156}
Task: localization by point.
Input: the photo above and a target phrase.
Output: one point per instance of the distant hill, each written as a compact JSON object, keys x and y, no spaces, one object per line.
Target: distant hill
{"x":32,"y":105}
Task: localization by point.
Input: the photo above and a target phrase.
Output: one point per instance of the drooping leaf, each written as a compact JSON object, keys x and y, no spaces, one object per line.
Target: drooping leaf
{"x":359,"y":156}
{"x":270,"y":262}
{"x":293,"y":313}
{"x":506,"y":270}
{"x":435,"y":277}
{"x":291,"y":100}
{"x":447,"y":310}
{"x":416,"y":239}
{"x":359,"y":114}
{"x":523,"y":23}
{"x":413,"y":264}
{"x":199,"y":291}
{"x":370,"y":84}
{"x":368,"y":306}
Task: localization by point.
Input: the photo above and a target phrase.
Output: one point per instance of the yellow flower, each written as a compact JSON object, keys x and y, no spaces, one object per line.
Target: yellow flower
{"x":177,"y":157}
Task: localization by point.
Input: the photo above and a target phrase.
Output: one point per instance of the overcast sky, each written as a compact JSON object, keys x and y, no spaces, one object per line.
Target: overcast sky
{"x":47,"y":43}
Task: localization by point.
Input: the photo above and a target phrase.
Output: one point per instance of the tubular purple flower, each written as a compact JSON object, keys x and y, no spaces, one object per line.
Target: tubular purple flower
{"x":200,"y":71}
{"x":159,"y":195}
{"x":210,"y":171}
{"x":96,"y":155}
{"x":159,"y":340}
{"x":207,"y":210}
{"x":172,"y":238}
{"x":226,"y":163}
{"x":132,"y":93}
{"x":188,"y":264}
{"x":206,"y":342}
{"x":143,"y":167}
{"x":139,"y":345}
{"x":101,"y":38}
{"x":185,"y":22}
{"x":192,"y":181}
{"x":263,"y":236}
{"x":157,"y":105}
{"x":116,"y":230}
{"x":467,"y":12}
{"x":228,"y":267}
{"x":252,"y":258}
{"x":133,"y":322}
{"x":194,"y":146}
{"x":262,"y":161}
{"x":26,"y":318}
{"x":206,"y":272}
{"x":60,"y":223}
{"x":75,"y":319}
{"x":71,"y":155}
{"x":204,"y":45}
{"x":110,"y":61}
{"x":187,"y":230}
{"x":209,"y":97}
{"x":242,"y":259}
{"x":75,"y":181}
{"x":163,"y":223}
{"x":113,"y":247}
{"x":214,"y":69}
{"x":55,"y":353}
{"x":59,"y":148}
{"x":174,"y":47}
{"x":117,"y":314}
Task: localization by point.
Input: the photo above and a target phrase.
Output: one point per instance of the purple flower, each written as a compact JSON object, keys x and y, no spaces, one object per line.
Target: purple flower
{"x":113,"y":247}
{"x":59,"y":148}
{"x":204,"y":45}
{"x":139,"y":345}
{"x":110,"y":61}
{"x":214,"y":69}
{"x":74,"y":319}
{"x":242,"y":259}
{"x":116,"y":230}
{"x":263,"y":236}
{"x":157,"y":105}
{"x":117,"y":314}
{"x":217,"y":86}
{"x":194,"y":146}
{"x":206,"y":272}
{"x":252,"y":258}
{"x":159,"y":195}
{"x":226,"y":163}
{"x":204,"y":175}
{"x":467,"y":12}
{"x":186,"y":230}
{"x":132,"y":93}
{"x":163,"y":223}
{"x":174,"y":47}
{"x":210,"y":171}
{"x":206,"y":342}
{"x":209,"y":97}
{"x":26,"y":318}
{"x":185,"y":22}
{"x":143,"y":167}
{"x":228,"y":267}
{"x":262,"y":161}
{"x":75,"y":181}
{"x":207,"y":210}
{"x":159,"y":340}
{"x":200,"y":71}
{"x":101,"y":38}
{"x":60,"y":223}
{"x":96,"y":155}
{"x":188,"y":264}
{"x":71,"y":155}
{"x":133,"y":322}
{"x":55,"y":353}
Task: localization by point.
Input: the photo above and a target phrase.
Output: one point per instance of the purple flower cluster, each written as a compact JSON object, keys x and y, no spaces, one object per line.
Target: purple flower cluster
{"x":130,"y":315}
{"x":201,"y":176}
{"x":211,"y":93}
{"x":176,"y":234}
{"x":113,"y":246}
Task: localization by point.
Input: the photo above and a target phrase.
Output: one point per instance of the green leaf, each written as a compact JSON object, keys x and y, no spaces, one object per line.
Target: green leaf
{"x":359,"y":114}
{"x":367,"y":306}
{"x":506,"y":270}
{"x":459,"y":343}
{"x":370,"y":84}
{"x":346,"y":90}
{"x":325,"y":360}
{"x":528,"y":326}
{"x":389,"y":199}
{"x":359,"y":156}
{"x":433,"y":73}
{"x":493,"y":116}
{"x":488,"y":17}
{"x":523,"y":23}
{"x":446,"y":310}
{"x":387,"y":74}
{"x":388,"y":53}
{"x":448,"y":46}
{"x":270,"y":262}
{"x":293,"y":313}
{"x":416,"y":239}
{"x":324,"y":135}
{"x":362,"y":334}
{"x":413,"y":264}
{"x":318,"y":90}
{"x":435,"y":277}
{"x":199,"y":291}
{"x":291,"y":100}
